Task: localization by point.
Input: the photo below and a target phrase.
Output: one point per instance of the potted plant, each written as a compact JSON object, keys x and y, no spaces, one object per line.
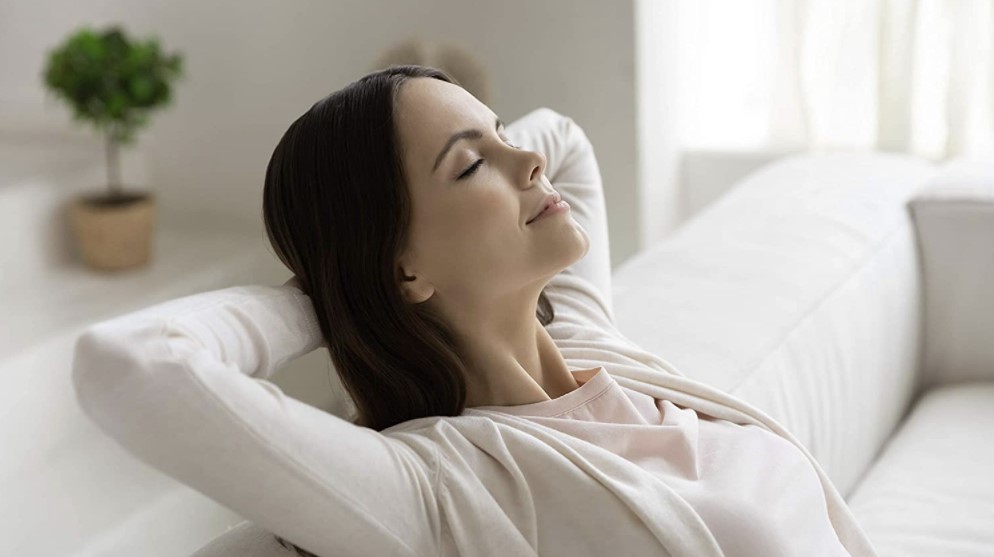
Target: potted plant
{"x":112,"y":83}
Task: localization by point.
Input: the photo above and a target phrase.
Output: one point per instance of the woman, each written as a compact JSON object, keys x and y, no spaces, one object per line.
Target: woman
{"x":499,"y":409}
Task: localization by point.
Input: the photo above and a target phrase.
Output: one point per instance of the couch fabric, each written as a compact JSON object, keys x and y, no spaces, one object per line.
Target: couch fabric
{"x":849,"y":296}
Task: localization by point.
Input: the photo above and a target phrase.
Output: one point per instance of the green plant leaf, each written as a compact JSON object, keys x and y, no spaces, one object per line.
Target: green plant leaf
{"x":108,"y":79}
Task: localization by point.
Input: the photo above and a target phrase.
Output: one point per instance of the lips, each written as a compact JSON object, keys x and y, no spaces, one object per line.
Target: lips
{"x":550,"y":199}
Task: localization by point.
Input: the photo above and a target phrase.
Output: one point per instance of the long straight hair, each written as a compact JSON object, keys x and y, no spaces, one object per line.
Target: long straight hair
{"x":337,"y":209}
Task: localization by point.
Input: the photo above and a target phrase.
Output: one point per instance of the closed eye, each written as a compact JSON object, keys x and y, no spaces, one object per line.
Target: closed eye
{"x":473,"y":167}
{"x":471,"y":170}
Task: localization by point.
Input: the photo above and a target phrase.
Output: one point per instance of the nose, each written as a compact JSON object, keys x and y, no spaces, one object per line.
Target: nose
{"x":536,"y":163}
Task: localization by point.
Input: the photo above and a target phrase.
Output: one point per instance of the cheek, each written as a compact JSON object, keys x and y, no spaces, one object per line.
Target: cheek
{"x":479,"y":230}
{"x":480,"y":213}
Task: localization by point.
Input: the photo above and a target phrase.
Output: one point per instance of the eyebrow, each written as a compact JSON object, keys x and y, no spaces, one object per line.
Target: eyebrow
{"x":465,"y":134}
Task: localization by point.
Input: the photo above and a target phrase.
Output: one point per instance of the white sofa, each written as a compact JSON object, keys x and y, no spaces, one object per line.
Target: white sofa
{"x":851,"y":296}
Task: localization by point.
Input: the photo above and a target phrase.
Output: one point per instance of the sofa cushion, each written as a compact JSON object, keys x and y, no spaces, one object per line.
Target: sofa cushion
{"x":931,"y":490}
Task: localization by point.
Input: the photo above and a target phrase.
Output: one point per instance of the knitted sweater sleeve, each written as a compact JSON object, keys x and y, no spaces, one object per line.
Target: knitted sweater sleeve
{"x":183,"y":386}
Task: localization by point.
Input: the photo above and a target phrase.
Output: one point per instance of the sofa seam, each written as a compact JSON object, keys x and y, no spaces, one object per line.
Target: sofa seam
{"x":925,"y":204}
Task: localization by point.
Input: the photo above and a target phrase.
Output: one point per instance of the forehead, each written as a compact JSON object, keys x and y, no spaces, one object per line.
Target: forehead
{"x":428,"y":111}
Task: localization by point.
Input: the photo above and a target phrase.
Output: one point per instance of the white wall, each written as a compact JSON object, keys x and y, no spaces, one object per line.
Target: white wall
{"x":253,"y":67}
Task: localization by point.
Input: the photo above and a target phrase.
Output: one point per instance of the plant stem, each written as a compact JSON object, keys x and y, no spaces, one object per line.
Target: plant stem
{"x":113,"y":168}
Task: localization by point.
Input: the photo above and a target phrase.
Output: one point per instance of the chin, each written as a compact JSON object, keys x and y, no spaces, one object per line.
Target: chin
{"x":565,"y":255}
{"x":585,"y":243}
{"x":576,"y":254}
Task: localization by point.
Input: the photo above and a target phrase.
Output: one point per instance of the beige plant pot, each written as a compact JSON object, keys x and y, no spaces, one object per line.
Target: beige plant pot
{"x":114,"y":232}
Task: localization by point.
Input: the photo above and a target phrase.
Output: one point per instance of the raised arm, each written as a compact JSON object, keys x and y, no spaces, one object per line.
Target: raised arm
{"x":583,"y":289}
{"x":183,"y":386}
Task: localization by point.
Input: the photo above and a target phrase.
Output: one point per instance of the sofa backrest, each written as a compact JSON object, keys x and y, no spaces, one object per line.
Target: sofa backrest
{"x":954,"y":217}
{"x":800,"y":292}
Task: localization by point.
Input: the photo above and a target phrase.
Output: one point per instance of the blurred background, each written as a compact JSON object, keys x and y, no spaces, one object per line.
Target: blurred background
{"x":680,"y":98}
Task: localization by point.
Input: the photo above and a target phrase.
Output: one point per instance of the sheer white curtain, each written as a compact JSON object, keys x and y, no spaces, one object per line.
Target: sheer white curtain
{"x":913,"y":76}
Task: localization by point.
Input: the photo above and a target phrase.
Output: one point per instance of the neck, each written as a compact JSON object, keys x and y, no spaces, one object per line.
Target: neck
{"x":501,"y":376}
{"x":510,"y":358}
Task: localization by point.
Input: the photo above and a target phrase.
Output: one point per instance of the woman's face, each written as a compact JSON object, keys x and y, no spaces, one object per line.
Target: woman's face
{"x":468,"y":239}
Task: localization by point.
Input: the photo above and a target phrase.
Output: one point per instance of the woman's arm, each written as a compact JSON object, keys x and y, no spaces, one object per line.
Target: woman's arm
{"x":584,"y":288}
{"x":183,"y":386}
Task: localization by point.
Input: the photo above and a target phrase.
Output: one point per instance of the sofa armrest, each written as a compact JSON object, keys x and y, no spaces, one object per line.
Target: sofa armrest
{"x":954,"y":217}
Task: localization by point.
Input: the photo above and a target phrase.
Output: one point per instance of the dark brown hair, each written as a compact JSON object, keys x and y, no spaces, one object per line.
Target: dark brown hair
{"x":336,"y":209}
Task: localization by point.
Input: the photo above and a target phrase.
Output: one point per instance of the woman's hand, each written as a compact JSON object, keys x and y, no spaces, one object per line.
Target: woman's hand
{"x":294,"y":282}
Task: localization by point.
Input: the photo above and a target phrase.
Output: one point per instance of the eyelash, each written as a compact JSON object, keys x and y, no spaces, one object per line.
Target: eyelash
{"x":472,"y":169}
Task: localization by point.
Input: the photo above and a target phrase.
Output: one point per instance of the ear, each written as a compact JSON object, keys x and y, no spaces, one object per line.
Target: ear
{"x":415,"y":288}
